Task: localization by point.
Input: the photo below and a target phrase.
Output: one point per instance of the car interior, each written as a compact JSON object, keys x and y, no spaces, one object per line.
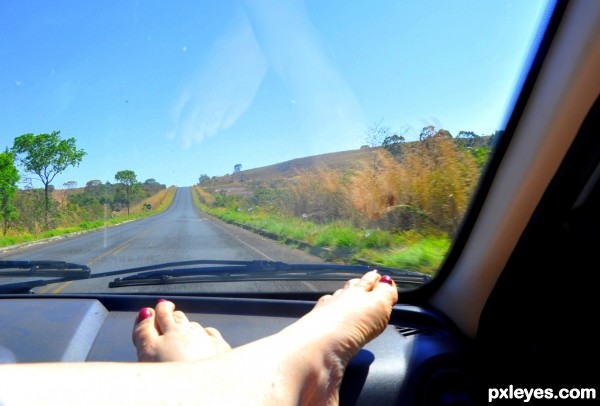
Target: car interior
{"x":513,"y":303}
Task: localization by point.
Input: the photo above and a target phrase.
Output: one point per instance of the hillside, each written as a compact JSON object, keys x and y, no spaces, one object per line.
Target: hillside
{"x":246,"y":180}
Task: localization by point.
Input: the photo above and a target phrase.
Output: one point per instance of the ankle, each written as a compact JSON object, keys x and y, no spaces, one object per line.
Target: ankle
{"x":316,"y":364}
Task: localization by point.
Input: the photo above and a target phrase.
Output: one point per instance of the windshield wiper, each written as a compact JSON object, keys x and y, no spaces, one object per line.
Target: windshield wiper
{"x":197,"y":271}
{"x":43,"y":268}
{"x":231,"y":271}
{"x":59,"y":271}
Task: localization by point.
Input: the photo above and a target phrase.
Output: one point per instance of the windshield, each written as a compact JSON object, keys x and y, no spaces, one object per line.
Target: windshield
{"x":242,"y":137}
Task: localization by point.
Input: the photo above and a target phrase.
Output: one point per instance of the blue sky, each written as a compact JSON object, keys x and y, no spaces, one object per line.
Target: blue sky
{"x":173,"y":90}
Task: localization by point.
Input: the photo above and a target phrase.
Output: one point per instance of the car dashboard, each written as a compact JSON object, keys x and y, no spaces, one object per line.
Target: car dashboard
{"x":419,"y":359}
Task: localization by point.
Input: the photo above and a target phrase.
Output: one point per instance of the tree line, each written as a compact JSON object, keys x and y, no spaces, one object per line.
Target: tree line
{"x":44,"y":156}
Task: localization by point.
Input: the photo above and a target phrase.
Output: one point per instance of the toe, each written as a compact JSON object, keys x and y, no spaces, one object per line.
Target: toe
{"x":214,"y":333}
{"x":368,"y":281}
{"x":323,"y":299}
{"x":180,"y":317}
{"x":144,"y":329}
{"x":218,"y":338}
{"x":388,"y":290}
{"x":351,"y":283}
{"x":165,"y":317}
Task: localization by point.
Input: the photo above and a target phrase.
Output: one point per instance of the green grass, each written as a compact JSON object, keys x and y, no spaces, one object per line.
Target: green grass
{"x":407,"y":250}
{"x":23,"y":237}
{"x":339,"y":236}
{"x":425,"y":254}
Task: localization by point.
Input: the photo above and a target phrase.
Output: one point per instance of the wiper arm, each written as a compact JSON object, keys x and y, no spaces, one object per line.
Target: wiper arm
{"x":59,"y":271}
{"x":44,"y":268}
{"x":230,"y":271}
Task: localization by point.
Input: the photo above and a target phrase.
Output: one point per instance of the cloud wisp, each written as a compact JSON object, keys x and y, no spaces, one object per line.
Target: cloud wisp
{"x":224,"y":89}
{"x":281,"y":37}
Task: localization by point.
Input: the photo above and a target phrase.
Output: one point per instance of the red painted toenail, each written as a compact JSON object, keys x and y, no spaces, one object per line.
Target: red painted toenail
{"x":162,"y":300}
{"x":144,"y":314}
{"x":386,"y":279}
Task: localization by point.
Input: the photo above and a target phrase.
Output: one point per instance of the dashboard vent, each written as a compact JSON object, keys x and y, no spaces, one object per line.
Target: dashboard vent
{"x":410,"y":331}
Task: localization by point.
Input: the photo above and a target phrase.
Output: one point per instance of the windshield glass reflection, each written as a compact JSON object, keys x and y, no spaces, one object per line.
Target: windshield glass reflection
{"x":294,"y":132}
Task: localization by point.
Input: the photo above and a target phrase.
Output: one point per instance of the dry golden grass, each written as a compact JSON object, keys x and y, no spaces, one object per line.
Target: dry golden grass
{"x":319,"y":194}
{"x":428,"y":187}
{"x":204,"y":196}
{"x":377,"y":186}
{"x":165,"y":196}
{"x":61,"y":196}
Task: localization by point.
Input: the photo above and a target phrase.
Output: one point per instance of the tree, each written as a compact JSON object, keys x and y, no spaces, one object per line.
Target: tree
{"x":46,"y":155}
{"x":237,"y":168}
{"x":68,"y":186}
{"x":467,"y":138}
{"x":93,"y":184}
{"x":427,"y":132}
{"x":9,"y":176}
{"x":203,"y":179}
{"x":393,"y":144}
{"x":151,"y":186}
{"x":128,"y":183}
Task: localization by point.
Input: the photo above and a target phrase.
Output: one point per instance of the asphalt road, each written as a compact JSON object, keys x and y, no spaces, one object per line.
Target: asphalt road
{"x":180,"y":233}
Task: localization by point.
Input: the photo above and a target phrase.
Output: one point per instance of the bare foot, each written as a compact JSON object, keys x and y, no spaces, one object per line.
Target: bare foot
{"x":302,"y":364}
{"x":166,"y":334}
{"x":339,"y":326}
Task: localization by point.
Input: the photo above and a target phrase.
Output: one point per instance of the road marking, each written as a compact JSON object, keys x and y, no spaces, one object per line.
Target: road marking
{"x":240,"y":240}
{"x":311,"y":286}
{"x":124,"y":245}
{"x":62,"y":287}
{"x":114,"y":251}
{"x":58,"y":287}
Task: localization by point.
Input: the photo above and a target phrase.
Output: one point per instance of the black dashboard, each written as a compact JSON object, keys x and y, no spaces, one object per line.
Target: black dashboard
{"x":418,"y":360}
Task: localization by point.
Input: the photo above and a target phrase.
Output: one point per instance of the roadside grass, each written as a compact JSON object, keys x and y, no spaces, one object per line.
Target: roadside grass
{"x":425,"y":254}
{"x":404,"y":249}
{"x":160,"y":202}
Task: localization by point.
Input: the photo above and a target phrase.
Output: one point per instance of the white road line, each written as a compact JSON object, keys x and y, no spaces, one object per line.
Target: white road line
{"x":243,"y":242}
